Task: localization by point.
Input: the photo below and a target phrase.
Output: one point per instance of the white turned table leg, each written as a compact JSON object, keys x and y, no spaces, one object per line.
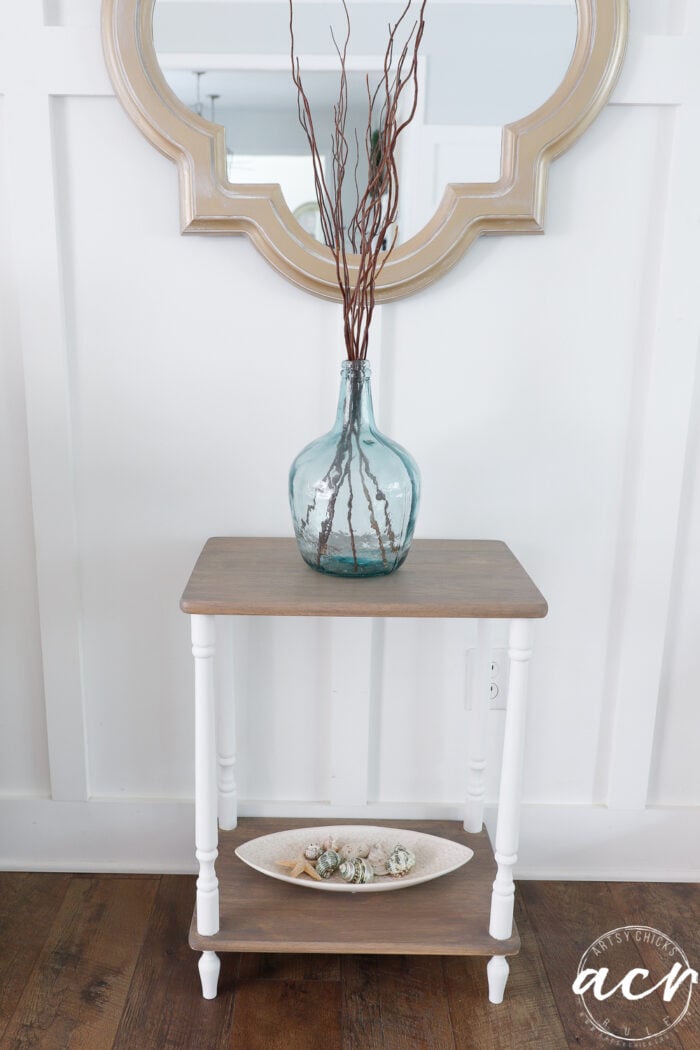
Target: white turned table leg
{"x":226,"y":747}
{"x":209,"y":966}
{"x":497,"y":970}
{"x":502,"y":898}
{"x":474,"y":807}
{"x":206,"y":832}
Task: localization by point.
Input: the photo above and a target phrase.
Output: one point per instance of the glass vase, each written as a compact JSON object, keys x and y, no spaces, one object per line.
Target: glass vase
{"x":354,"y":493}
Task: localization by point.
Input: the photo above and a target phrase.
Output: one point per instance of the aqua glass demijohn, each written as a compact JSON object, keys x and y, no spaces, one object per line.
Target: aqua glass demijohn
{"x":353,"y":492}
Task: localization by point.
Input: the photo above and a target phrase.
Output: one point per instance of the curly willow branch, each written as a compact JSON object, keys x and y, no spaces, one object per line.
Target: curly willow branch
{"x":365,"y":239}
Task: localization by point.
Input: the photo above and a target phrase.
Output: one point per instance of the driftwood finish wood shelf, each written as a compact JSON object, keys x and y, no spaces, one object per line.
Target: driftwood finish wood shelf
{"x":442,"y":578}
{"x":448,"y":916}
{"x":469,"y":911}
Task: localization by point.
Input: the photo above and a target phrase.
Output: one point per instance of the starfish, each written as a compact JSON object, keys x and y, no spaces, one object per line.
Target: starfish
{"x":300,"y":866}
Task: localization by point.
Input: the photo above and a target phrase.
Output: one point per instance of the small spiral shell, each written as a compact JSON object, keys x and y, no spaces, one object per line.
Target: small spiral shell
{"x":400,"y":861}
{"x":313,"y":851}
{"x":358,"y":870}
{"x":327,"y":863}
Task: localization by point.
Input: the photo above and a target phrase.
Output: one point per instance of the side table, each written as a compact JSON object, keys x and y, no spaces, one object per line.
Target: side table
{"x":468,"y":912}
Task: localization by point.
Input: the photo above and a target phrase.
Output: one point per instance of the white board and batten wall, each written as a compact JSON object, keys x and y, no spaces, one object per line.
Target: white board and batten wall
{"x":153,"y":391}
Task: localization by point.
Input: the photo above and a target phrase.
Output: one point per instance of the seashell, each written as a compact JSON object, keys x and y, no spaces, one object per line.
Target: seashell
{"x":327,"y":863}
{"x":358,"y":870}
{"x":349,"y":852}
{"x":378,"y":856}
{"x":400,"y":861}
{"x":313,"y":851}
{"x":330,"y":843}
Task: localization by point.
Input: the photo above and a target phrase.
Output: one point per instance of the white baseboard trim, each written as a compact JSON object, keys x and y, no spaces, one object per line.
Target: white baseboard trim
{"x":557,"y":842}
{"x":106,"y":835}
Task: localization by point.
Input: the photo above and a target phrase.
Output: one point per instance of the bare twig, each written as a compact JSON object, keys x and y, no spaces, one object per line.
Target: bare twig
{"x":362,"y":244}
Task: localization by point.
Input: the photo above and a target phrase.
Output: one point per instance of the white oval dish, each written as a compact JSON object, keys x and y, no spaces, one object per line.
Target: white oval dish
{"x":435,"y":856}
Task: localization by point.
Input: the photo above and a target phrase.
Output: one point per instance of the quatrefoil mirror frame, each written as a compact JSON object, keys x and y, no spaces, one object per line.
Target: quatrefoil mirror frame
{"x":513,"y":204}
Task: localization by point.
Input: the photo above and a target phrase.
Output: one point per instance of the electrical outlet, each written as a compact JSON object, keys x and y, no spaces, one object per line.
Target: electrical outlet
{"x":498,"y":679}
{"x":498,"y":690}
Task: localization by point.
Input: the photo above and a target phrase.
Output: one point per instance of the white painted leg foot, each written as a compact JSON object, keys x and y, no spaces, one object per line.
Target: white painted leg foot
{"x":228,"y":811}
{"x":209,"y":966}
{"x":497,"y":971}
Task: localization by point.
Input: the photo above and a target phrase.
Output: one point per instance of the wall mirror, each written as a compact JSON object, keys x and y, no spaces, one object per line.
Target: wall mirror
{"x":504,"y":88}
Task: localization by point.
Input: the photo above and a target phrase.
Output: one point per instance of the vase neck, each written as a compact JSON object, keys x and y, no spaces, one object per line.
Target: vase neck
{"x":355,"y":398}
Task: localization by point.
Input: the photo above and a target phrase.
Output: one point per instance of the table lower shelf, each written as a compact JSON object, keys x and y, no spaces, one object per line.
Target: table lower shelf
{"x":447,"y":916}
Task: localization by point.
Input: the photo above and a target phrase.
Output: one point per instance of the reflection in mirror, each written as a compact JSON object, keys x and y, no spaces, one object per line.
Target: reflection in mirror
{"x":483,"y":65}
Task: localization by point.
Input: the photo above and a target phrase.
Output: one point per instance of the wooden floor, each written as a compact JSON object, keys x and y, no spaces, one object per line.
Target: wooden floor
{"x":102,"y":962}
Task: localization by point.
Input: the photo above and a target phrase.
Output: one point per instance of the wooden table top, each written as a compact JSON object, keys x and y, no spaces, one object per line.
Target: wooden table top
{"x":253,"y":576}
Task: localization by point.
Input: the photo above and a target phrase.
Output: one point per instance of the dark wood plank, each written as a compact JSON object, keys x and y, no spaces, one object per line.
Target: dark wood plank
{"x":286,"y":1015}
{"x":674,"y":909}
{"x":165,"y":1006}
{"x":527,"y":1018}
{"x":567,"y":918}
{"x":76,"y":993}
{"x":28,"y":906}
{"x":448,"y":916}
{"x":362,"y":1016}
{"x":443,"y":578}
{"x":415,"y":1013}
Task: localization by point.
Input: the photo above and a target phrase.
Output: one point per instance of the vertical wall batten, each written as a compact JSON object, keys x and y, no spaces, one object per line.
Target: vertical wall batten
{"x":40,"y":63}
{"x":50,"y":439}
{"x":351,"y":668}
{"x":660,"y":447}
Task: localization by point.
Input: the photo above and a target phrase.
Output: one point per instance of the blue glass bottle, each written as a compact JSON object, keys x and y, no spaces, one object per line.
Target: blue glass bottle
{"x":354,"y":493}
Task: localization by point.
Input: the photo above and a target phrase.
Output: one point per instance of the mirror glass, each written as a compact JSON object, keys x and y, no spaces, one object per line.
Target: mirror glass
{"x":483,"y":65}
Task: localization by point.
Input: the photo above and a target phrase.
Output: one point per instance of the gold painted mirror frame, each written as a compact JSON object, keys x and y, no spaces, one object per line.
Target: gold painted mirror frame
{"x":514,"y":204}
